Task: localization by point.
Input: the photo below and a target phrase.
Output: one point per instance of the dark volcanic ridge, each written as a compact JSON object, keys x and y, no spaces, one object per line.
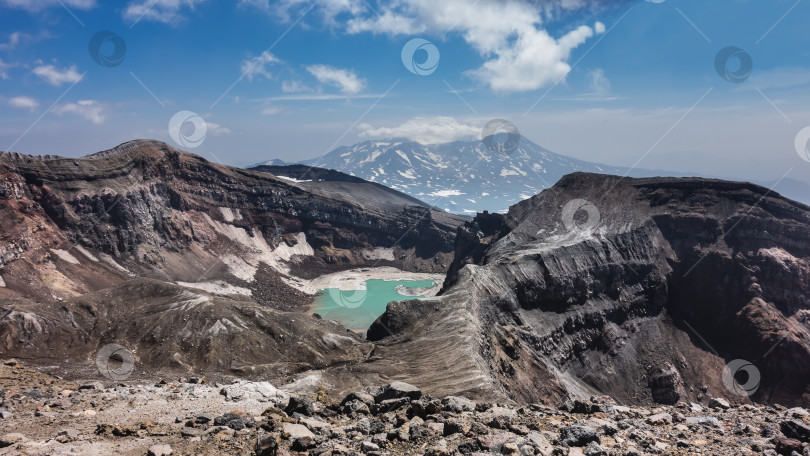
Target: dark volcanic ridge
{"x":643,"y":289}
{"x":640,"y":289}
{"x":192,"y":265}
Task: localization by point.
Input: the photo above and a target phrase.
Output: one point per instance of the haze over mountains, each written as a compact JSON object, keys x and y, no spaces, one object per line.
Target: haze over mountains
{"x":467,"y":177}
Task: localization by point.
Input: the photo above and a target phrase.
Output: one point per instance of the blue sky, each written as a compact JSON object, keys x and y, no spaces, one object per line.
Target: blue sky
{"x":619,"y":82}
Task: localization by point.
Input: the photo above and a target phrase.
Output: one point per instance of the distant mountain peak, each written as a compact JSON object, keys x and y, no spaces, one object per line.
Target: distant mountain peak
{"x":462,"y":176}
{"x":470,"y":176}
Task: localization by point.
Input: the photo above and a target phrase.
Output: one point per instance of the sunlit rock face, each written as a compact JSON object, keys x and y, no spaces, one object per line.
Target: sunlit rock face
{"x":191,"y":264}
{"x":643,"y":289}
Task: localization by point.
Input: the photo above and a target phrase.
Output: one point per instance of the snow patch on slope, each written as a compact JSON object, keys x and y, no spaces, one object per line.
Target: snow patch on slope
{"x":89,"y":255}
{"x":217,"y":287}
{"x":443,"y":193}
{"x":408,"y":174}
{"x":109,"y":260}
{"x":64,"y":255}
{"x":258,"y":251}
{"x":230,"y":214}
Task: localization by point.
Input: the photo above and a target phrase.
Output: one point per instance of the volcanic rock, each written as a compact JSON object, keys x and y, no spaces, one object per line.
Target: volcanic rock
{"x":578,"y":436}
{"x":620,"y":286}
{"x":300,"y":404}
{"x":175,"y":257}
{"x":795,"y":430}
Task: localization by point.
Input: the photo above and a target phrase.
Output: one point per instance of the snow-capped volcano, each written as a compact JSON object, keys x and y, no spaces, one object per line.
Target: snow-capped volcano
{"x":460,"y":176}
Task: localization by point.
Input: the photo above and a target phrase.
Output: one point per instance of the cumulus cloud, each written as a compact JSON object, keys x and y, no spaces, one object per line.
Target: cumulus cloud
{"x":91,"y":110}
{"x":165,"y":11}
{"x":345,"y":80}
{"x":257,"y":66}
{"x":519,"y":54}
{"x":386,"y":22}
{"x":24,"y":102}
{"x":55,"y":76}
{"x":535,"y":60}
{"x":425,"y":130}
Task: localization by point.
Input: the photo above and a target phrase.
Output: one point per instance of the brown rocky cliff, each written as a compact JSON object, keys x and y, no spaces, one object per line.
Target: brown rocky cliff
{"x":636,"y":305}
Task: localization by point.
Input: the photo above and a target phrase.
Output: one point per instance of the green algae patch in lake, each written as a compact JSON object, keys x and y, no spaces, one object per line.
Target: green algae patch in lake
{"x":357,"y":309}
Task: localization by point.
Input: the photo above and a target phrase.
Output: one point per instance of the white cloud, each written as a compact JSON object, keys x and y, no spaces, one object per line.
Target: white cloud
{"x":294,"y":87}
{"x":38,"y":5}
{"x":18,"y":38}
{"x":535,"y":60}
{"x":216,"y":129}
{"x":55,"y":76}
{"x":345,"y":80}
{"x":165,"y":11}
{"x":91,"y":110}
{"x":329,"y":10}
{"x":425,"y":130}
{"x":24,"y":102}
{"x":520,"y":55}
{"x":257,"y":66}
{"x":387,"y":22}
{"x":4,"y":69}
{"x":13,"y":40}
{"x":598,"y":82}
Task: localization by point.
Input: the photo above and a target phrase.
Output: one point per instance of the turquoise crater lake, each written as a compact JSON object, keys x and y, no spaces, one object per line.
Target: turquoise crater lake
{"x":357,"y":309}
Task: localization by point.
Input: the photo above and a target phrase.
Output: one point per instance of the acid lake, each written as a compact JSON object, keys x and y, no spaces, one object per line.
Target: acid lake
{"x":357,"y":309}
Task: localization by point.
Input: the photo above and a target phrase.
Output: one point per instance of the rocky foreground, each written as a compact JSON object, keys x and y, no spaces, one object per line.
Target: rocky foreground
{"x":43,"y":415}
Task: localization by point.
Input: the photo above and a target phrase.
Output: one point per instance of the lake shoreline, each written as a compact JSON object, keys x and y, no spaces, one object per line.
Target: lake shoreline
{"x":356,"y":298}
{"x":353,"y":279}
